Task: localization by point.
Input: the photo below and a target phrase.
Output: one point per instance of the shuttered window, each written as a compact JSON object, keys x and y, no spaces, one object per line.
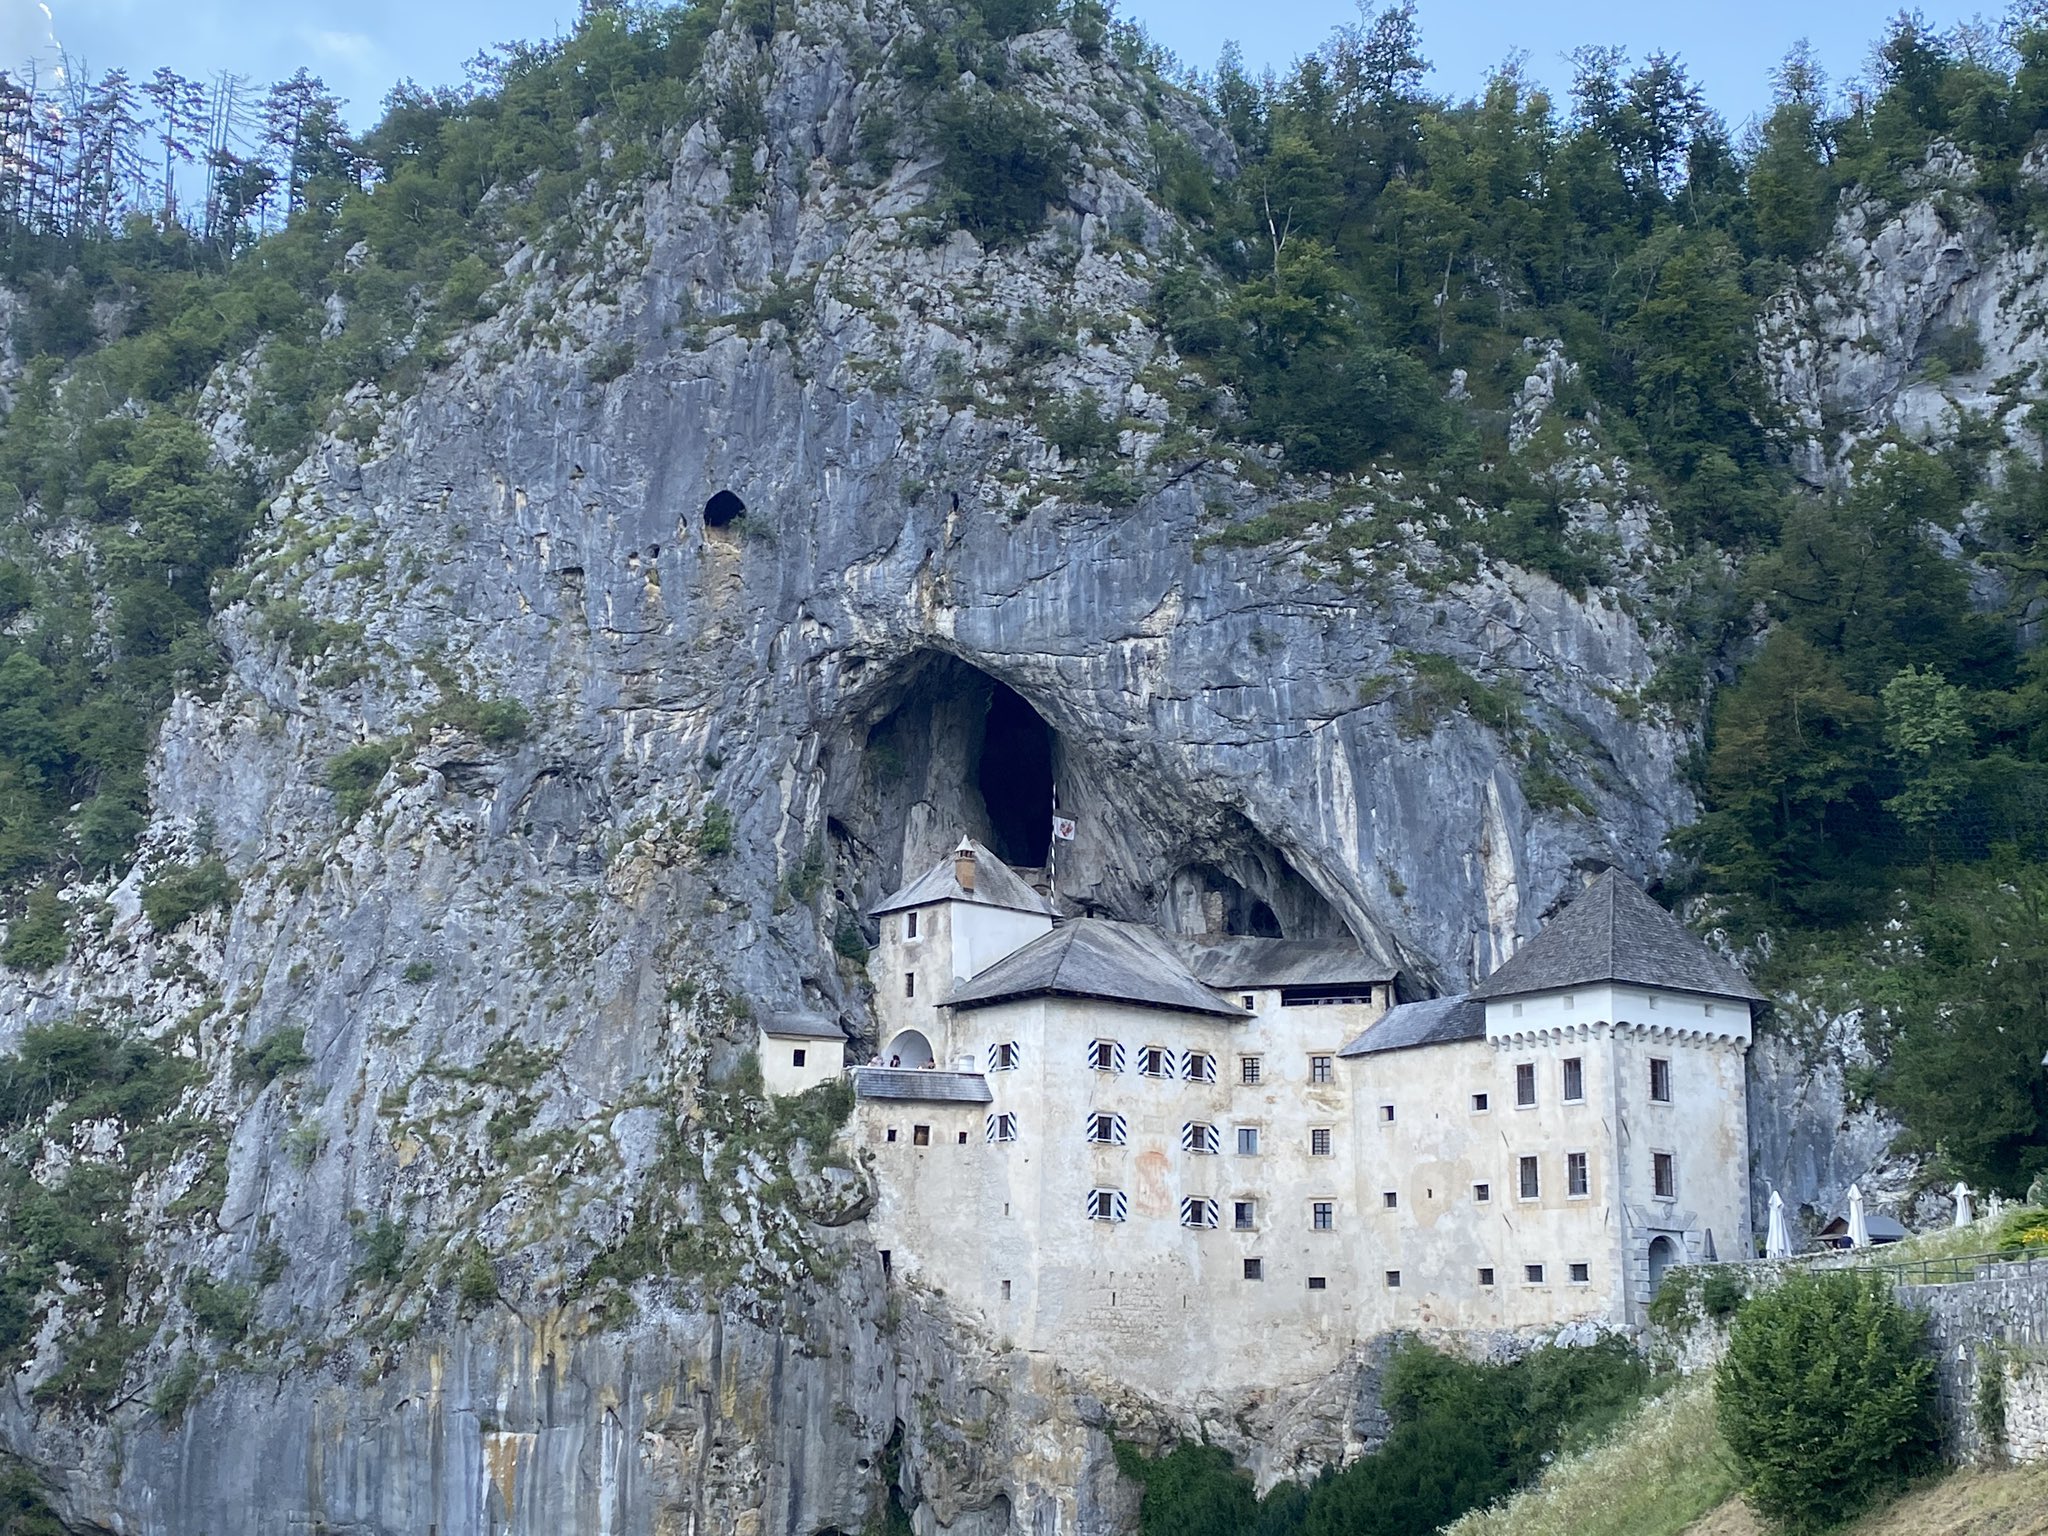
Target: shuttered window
{"x":1198,"y":1136}
{"x":1105,"y":1056}
{"x":1108,"y":1129}
{"x":1198,"y":1211}
{"x":1106,"y":1205}
{"x":1002,"y":1127}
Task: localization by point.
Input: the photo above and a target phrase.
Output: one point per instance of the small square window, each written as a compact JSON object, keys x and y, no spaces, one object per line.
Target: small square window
{"x":1251,"y":1002}
{"x":910,"y":983}
{"x":1324,"y":1215}
{"x":1582,"y":1274}
{"x":1577,"y":1183}
{"x":1664,"y":1173}
{"x":1319,"y":1069}
{"x":796,"y":1057}
{"x":1478,"y":1103}
{"x":1660,"y":1080}
{"x":1386,"y":1114}
{"x":963,"y":1138}
{"x":1574,"y":1080}
{"x":1532,"y":1184}
{"x":1199,"y":1067}
{"x":1249,"y":1067}
{"x":1393,"y":1279}
{"x":1525,"y":1084}
{"x":1318,"y":1283}
{"x":1255,"y":1269}
{"x":920,"y":1135}
{"x":1482,"y":1193}
{"x":1707,"y":1009}
{"x":1319,"y":1141}
{"x":892,"y":1133}
{"x":1247,"y":1141}
{"x":1244,"y":1214}
{"x":1533,"y":1273}
{"x":1486,"y":1277}
{"x":1390,"y":1199}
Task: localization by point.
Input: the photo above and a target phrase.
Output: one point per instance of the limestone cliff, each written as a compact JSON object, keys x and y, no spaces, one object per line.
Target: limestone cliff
{"x":751,"y":503}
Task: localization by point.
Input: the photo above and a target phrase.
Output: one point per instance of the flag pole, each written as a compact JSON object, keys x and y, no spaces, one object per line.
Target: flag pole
{"x":1052,"y":852}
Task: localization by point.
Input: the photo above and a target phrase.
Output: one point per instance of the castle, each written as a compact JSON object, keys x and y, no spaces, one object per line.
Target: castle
{"x":1236,"y":1158}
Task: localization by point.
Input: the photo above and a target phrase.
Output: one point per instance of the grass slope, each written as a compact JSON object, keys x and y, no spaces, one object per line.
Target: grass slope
{"x":1998,"y":1501}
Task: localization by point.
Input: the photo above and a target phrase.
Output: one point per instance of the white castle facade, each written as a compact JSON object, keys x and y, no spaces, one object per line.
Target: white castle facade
{"x":1224,"y":1163}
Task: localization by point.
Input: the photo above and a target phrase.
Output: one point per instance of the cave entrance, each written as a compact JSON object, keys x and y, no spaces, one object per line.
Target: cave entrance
{"x":723,"y":510}
{"x":1015,"y":777}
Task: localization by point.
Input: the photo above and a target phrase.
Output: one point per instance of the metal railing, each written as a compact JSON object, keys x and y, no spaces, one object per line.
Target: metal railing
{"x":1963,"y":1268}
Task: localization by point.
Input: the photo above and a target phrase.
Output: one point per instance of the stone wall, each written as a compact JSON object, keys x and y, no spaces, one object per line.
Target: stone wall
{"x":1996,"y":1323}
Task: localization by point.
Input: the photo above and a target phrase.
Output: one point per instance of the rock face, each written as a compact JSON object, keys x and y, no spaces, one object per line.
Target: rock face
{"x":749,"y":501}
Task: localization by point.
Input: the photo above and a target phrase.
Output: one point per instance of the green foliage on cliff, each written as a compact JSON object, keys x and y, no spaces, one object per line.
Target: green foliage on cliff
{"x":1463,"y":1436}
{"x":1826,"y":1396}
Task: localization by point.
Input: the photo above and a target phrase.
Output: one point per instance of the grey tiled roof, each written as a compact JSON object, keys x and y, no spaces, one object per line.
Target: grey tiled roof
{"x":802,"y":1026}
{"x":1247,"y":962}
{"x":1434,"y":1022}
{"x":995,"y":885}
{"x":926,"y":1086}
{"x":1094,"y":957}
{"x":1613,"y":932}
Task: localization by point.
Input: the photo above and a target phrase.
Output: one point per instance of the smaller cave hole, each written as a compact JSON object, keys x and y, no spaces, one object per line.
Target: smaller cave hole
{"x":721,"y":510}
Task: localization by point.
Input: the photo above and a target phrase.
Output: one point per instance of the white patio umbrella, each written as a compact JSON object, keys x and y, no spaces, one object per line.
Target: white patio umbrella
{"x":1997,"y":1207}
{"x":1965,"y":1213}
{"x":1859,"y":1229}
{"x":1778,"y":1243}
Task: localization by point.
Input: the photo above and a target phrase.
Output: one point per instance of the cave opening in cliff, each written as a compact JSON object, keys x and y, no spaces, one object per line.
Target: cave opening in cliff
{"x":1015,"y":777}
{"x":723,"y":510}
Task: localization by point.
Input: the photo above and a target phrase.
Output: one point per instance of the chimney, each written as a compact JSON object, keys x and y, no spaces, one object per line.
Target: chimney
{"x":963,"y":865}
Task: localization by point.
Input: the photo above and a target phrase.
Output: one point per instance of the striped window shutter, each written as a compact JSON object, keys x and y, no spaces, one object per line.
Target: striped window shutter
{"x":1112,"y":1200}
{"x":1198,"y":1211}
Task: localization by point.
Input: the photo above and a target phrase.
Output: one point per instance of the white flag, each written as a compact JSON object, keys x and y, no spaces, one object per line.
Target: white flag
{"x":1063,"y":828}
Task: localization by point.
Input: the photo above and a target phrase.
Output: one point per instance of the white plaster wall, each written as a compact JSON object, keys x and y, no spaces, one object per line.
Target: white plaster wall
{"x":956,"y":941}
{"x":823,"y":1061}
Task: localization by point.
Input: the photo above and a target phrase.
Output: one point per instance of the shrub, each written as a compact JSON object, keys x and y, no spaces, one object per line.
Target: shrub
{"x":383,"y":1253}
{"x":182,"y":891}
{"x":1826,"y":1396}
{"x":280,"y":1051}
{"x":419,"y":972}
{"x":173,"y":1394}
{"x":354,"y":775}
{"x":223,"y":1310}
{"x":1076,"y":426}
{"x":1003,"y":162}
{"x":476,"y":1284}
{"x":36,"y":940}
{"x":2023,"y":1229}
{"x":612,"y":362}
{"x":715,"y":832}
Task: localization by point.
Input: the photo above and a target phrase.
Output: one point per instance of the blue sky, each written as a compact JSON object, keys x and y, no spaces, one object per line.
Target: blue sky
{"x":360,"y":47}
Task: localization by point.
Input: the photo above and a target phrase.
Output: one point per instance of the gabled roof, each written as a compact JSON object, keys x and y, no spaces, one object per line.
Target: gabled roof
{"x":1248,"y":962}
{"x":1434,"y":1022}
{"x":1612,"y":931}
{"x":1094,"y":957}
{"x":995,"y":885}
{"x":802,"y":1026}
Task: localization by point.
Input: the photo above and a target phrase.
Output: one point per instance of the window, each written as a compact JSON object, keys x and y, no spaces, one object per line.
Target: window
{"x":1482,"y":1193}
{"x":1198,"y":1211}
{"x":1105,"y":1056}
{"x":910,"y":925}
{"x":920,"y":1135}
{"x":1574,"y":1080}
{"x":1533,"y":1273}
{"x":1244,"y":1214}
{"x":1323,"y":1215}
{"x":1318,"y":1282}
{"x":796,"y":1057}
{"x":1106,"y":1205}
{"x":1660,"y":1080}
{"x":1478,"y":1103}
{"x":1247,"y":1141}
{"x":1110,"y":1130}
{"x":1386,"y":1114}
{"x":1255,"y":1269}
{"x":1195,"y":1136}
{"x":1155,"y":1061}
{"x":1250,"y":1001}
{"x":910,"y":983}
{"x":1486,"y":1277}
{"x":1319,"y":1141}
{"x":1531,"y":1184}
{"x":1006,"y":1290}
{"x":1002,"y":1127}
{"x":1525,"y":1084}
{"x":1576,"y":1184}
{"x":1664,"y":1175}
{"x":892,"y":1133}
{"x":1319,"y":1069}
{"x":1198,"y":1067}
{"x":1707,"y":1009}
{"x":1249,"y":1067}
{"x":1393,"y":1279}
{"x":963,"y":1138}
{"x":1582,"y":1274}
{"x":1390,"y":1199}
{"x":1003,"y":1056}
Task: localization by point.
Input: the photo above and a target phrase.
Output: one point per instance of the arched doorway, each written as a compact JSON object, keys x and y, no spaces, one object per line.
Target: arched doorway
{"x":1663,"y":1254}
{"x":908,"y":1049}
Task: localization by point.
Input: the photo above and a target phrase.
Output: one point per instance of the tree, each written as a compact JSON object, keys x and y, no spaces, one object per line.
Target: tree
{"x":1826,"y":1396}
{"x":1927,"y":731}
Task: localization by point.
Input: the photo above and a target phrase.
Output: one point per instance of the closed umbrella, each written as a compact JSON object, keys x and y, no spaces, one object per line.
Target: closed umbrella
{"x":1778,"y":1243}
{"x":1859,"y":1229}
{"x":1964,"y":1212}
